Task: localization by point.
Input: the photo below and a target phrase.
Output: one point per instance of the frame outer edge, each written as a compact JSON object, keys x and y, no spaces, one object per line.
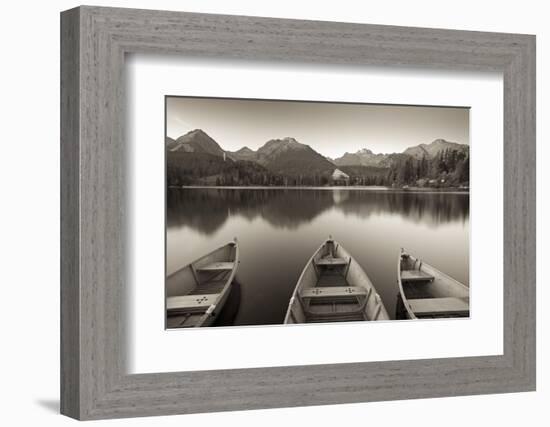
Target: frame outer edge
{"x":520,"y":215}
{"x":70,"y":387}
{"x":532,"y":137}
{"x":529,"y":235}
{"x":88,"y":391}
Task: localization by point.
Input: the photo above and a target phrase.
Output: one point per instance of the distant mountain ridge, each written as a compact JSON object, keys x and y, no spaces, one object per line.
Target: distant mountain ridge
{"x":363,"y":157}
{"x":286,"y":156}
{"x":195,"y":141}
{"x":244,"y":153}
{"x":434,"y":148}
{"x":276,"y":151}
{"x":197,"y":158}
{"x":366,"y":157}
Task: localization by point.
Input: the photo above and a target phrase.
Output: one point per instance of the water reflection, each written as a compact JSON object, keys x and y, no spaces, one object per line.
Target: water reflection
{"x":278,"y":230}
{"x":207,"y":210}
{"x":231,"y":308}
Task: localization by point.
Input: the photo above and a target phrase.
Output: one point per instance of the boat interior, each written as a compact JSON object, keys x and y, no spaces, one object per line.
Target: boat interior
{"x":430,"y":293}
{"x":193,"y":291}
{"x":326,"y":294}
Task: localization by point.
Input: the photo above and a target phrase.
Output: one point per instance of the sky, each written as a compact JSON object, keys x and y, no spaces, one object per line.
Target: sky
{"x":329,"y":128}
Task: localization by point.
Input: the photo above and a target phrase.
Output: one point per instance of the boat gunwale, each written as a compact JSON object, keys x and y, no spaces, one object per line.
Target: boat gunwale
{"x":202,"y":257}
{"x":206,"y":316}
{"x":352,"y":260}
{"x":400,"y":282}
{"x":300,"y":278}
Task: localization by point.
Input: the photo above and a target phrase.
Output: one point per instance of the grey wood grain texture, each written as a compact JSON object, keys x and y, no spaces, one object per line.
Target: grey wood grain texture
{"x":94,"y":269}
{"x":70,"y":366}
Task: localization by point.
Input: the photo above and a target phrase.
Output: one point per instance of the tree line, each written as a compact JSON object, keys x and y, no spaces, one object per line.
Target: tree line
{"x":448,"y":168}
{"x":206,"y":169}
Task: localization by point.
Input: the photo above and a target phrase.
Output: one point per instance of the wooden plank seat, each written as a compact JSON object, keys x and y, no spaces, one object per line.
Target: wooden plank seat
{"x":216,"y":266}
{"x":334,"y":312}
{"x":332,"y":291}
{"x":190,"y":303}
{"x":183,"y":320}
{"x":330,"y":261}
{"x":439,"y":306}
{"x":415,"y":276}
{"x":336,"y":317}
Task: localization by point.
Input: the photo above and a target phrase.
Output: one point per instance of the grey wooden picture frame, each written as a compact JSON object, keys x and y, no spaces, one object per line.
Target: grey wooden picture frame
{"x":94,"y":42}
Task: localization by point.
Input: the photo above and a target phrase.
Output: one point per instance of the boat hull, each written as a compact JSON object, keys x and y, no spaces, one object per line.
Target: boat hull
{"x":426,"y":292}
{"x":196,"y":293}
{"x":333,"y":287}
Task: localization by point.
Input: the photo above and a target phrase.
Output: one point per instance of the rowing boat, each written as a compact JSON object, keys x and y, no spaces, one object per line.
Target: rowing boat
{"x":333,"y":287}
{"x":427,"y":292}
{"x":196,"y":293}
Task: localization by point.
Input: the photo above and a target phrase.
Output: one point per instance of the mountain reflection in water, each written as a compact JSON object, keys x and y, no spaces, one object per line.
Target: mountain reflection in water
{"x":206,"y":210}
{"x":279,"y":229}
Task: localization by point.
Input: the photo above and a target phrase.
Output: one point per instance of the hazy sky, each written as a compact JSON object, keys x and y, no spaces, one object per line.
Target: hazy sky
{"x":329,"y":128}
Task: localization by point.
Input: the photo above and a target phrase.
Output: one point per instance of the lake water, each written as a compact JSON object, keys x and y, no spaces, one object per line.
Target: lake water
{"x":279,"y":229}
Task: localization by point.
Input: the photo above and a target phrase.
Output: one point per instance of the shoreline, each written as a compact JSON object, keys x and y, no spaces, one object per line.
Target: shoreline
{"x":450,"y":190}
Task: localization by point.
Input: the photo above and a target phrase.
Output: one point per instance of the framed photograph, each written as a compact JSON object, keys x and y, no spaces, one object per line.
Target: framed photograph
{"x":308,"y":218}
{"x":288,"y":213}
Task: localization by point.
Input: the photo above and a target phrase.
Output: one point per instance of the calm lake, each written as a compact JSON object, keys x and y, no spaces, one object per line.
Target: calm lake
{"x":279,"y":229}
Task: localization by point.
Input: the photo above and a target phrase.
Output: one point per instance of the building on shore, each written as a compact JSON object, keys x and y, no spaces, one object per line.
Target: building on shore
{"x":339,"y":178}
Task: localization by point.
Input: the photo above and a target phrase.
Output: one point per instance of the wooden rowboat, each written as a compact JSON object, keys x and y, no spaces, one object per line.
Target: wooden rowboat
{"x":334,"y":288}
{"x":196,"y":293}
{"x":427,"y":292}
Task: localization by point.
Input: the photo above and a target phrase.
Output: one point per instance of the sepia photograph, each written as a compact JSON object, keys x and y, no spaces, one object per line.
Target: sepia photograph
{"x":292,"y":212}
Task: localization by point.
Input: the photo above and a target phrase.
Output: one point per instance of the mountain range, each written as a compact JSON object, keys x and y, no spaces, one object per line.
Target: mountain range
{"x":285,"y":156}
{"x":288,"y":156}
{"x":366,"y":157}
{"x":363,"y":157}
{"x":197,"y":158}
{"x":196,"y":141}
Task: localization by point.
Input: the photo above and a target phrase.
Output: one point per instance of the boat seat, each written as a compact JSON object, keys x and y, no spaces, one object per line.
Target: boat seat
{"x":183,"y":320}
{"x":190,"y":303}
{"x":333,"y":291}
{"x":331,"y":261}
{"x":216,"y":266}
{"x":415,"y":276}
{"x":440,"y":306}
{"x":333,"y":315}
{"x":337,"y":317}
